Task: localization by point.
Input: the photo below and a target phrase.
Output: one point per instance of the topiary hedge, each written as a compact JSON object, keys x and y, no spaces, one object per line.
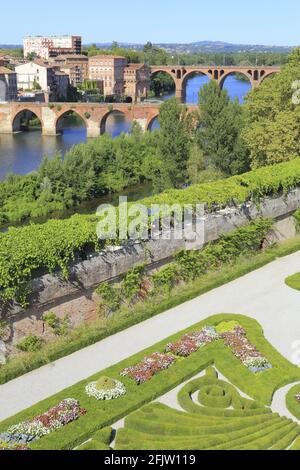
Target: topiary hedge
{"x":220,"y":423}
{"x":292,"y":404}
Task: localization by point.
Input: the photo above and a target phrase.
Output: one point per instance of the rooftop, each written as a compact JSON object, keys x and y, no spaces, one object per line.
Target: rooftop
{"x":5,"y":71}
{"x":70,"y":56}
{"x":104,"y":56}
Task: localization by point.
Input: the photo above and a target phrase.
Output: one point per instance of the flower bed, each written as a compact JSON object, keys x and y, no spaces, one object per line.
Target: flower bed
{"x":148,"y":367}
{"x":244,"y":350}
{"x":298,"y":398}
{"x":233,"y":335}
{"x":65,"y":412}
{"x":191,"y":342}
{"x":116,"y":390}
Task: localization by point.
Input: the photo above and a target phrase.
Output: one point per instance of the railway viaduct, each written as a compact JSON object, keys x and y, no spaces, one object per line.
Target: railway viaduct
{"x":181,"y":74}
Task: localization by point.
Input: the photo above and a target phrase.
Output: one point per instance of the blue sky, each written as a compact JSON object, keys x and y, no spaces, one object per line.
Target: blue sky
{"x":251,"y":22}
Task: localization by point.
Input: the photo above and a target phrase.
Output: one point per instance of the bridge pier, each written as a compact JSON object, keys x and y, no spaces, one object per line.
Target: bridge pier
{"x":180,"y":91}
{"x":142,"y":123}
{"x":92,"y":129}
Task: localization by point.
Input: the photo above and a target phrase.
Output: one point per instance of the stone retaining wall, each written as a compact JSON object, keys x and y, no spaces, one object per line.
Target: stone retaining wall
{"x":111,"y":264}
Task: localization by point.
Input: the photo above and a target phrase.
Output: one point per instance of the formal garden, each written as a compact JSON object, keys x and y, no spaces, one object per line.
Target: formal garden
{"x":211,"y":412}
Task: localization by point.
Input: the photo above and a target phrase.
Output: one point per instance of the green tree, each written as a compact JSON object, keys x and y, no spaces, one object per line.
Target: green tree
{"x":220,"y":130}
{"x":272,"y":131}
{"x":173,"y":146}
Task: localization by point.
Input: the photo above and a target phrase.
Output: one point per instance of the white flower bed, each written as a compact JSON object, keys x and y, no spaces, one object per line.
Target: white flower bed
{"x":110,"y":394}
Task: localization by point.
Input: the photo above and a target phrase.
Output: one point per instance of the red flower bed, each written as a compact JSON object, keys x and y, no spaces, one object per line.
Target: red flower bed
{"x":148,"y":367}
{"x":191,"y":342}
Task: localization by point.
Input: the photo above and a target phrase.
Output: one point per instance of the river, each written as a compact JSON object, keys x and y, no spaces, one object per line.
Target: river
{"x":23,"y":152}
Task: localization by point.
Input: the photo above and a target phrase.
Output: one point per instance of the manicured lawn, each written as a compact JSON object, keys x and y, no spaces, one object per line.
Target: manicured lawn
{"x":101,"y":414}
{"x":292,"y":404}
{"x":293,"y":281}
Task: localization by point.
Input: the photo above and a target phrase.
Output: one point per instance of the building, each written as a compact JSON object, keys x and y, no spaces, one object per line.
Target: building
{"x":137,"y":81}
{"x":8,"y":85}
{"x":74,"y":65}
{"x":4,"y":61}
{"x":61,"y":86}
{"x":42,"y":76}
{"x":51,"y":46}
{"x":110,"y":70}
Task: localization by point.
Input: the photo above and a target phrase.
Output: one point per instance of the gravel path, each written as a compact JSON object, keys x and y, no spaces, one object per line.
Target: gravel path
{"x":261,"y":294}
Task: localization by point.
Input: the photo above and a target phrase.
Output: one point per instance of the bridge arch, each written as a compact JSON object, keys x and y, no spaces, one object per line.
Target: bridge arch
{"x":269,"y":74}
{"x":225,"y":75}
{"x":190,"y":94}
{"x":151,"y":121}
{"x":118,"y":118}
{"x":59,"y":122}
{"x":171,"y":74}
{"x":22,"y":117}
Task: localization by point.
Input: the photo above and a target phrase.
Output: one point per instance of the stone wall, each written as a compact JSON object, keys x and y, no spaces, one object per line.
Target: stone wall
{"x":110,"y":264}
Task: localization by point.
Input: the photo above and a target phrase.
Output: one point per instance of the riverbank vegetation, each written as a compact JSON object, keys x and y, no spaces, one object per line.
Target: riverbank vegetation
{"x":223,"y":139}
{"x":46,"y":247}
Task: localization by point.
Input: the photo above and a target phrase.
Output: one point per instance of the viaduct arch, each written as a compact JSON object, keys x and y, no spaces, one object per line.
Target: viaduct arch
{"x":181,"y":74}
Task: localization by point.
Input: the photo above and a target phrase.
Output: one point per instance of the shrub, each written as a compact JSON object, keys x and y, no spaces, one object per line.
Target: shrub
{"x":105,"y":389}
{"x":59,"y":327}
{"x":166,"y":278}
{"x":110,"y":296}
{"x":132,"y":282}
{"x":87,"y":115}
{"x":30,"y":344}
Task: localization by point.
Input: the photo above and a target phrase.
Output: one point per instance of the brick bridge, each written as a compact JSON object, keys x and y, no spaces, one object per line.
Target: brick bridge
{"x":181,"y":74}
{"x":93,"y":115}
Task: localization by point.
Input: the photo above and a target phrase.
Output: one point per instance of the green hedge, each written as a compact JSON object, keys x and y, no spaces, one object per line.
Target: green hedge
{"x":293,"y":281}
{"x":292,"y":404}
{"x":237,"y":423}
{"x":102,"y":414}
{"x":53,"y":245}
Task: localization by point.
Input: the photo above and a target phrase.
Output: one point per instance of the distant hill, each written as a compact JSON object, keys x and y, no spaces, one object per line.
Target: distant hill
{"x":10,"y":46}
{"x":212,"y":47}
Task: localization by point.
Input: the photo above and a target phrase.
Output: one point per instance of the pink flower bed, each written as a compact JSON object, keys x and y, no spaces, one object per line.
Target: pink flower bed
{"x":191,"y":342}
{"x":148,"y":367}
{"x":245,"y":351}
{"x":65,"y":412}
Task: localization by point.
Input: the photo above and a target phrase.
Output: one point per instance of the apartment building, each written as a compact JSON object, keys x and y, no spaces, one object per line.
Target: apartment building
{"x":76,"y":66}
{"x":137,"y":81}
{"x":110,"y":70}
{"x":41,"y":75}
{"x":8,"y":85}
{"x":51,"y":46}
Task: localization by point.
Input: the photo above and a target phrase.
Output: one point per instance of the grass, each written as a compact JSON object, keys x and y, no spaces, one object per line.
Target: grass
{"x":293,"y":281}
{"x":292,"y":404}
{"x":227,"y":421}
{"x":86,"y":335}
{"x":100,"y":415}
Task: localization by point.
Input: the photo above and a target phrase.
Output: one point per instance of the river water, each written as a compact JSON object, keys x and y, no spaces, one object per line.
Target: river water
{"x":23,"y":152}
